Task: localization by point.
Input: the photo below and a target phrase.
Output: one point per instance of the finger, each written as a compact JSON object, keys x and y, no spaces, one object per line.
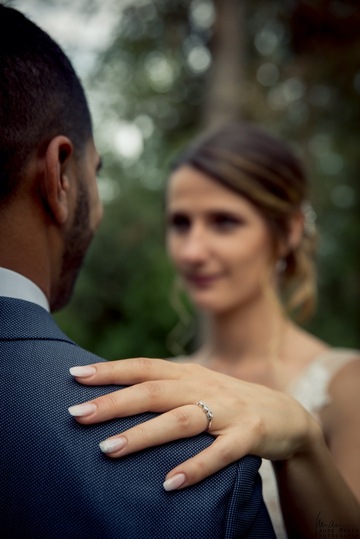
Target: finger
{"x":183,"y":422}
{"x":157,"y":396}
{"x":127,"y":371}
{"x":222,"y":452}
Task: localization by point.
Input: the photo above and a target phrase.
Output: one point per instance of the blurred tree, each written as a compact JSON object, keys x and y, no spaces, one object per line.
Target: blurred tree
{"x":176,"y":66}
{"x":225,"y":84}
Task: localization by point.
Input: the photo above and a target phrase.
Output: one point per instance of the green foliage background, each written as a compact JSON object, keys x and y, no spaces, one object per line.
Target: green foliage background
{"x":299,"y":75}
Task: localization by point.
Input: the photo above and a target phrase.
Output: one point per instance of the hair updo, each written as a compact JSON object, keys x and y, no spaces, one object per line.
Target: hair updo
{"x":264,"y":170}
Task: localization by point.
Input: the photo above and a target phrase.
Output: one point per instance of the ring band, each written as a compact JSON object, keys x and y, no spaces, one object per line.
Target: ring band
{"x":207,"y":412}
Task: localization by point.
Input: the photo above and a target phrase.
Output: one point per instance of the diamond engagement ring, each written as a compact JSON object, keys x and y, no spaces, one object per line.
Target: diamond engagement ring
{"x":207,"y":412}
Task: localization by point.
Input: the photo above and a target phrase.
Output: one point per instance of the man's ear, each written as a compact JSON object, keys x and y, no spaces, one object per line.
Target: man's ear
{"x":56,"y":177}
{"x":294,"y":235}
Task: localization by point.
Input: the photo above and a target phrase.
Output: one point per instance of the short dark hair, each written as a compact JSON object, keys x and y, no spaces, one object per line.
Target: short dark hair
{"x":40,"y":97}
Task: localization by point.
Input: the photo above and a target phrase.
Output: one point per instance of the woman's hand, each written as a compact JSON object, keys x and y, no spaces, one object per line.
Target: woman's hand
{"x":248,"y":418}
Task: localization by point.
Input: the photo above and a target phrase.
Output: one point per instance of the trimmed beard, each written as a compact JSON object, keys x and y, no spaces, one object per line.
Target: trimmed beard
{"x":77,"y":241}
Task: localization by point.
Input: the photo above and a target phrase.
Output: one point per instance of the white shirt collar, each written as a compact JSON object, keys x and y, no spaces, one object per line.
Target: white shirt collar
{"x":14,"y":285}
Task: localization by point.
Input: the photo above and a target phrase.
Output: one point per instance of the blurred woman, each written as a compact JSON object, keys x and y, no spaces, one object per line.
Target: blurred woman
{"x":241,"y":234}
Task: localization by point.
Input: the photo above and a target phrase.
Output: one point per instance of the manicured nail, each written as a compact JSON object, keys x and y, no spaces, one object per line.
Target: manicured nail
{"x":82,"y":371}
{"x":174,"y":482}
{"x":111,"y":445}
{"x":81,"y":410}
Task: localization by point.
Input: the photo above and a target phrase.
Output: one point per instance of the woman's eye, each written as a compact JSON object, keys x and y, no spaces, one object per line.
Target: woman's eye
{"x":179,"y":223}
{"x":225,"y":221}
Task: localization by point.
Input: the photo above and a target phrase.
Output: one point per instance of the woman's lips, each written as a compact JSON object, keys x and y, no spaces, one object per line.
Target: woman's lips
{"x":201,"y":281}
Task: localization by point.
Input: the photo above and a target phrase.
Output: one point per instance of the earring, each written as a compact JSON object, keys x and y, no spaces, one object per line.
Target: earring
{"x":309,"y":218}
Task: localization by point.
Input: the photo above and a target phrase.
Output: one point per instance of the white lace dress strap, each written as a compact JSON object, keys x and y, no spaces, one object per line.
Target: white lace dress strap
{"x":311,"y":389}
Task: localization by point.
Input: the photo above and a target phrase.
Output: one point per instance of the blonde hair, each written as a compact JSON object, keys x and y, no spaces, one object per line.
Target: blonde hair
{"x":264,"y":170}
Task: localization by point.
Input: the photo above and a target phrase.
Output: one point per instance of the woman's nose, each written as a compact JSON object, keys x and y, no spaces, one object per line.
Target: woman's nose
{"x":195,"y":246}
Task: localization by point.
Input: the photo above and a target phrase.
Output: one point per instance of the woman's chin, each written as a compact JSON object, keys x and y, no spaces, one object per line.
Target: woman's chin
{"x":207,"y":304}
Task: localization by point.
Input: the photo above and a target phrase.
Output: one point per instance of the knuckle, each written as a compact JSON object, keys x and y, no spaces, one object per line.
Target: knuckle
{"x":145,"y":364}
{"x":258,"y":428}
{"x":110,"y":366}
{"x":200,"y":370}
{"x":152,"y":390}
{"x":212,"y":385}
{"x":182,"y":418}
{"x":110,"y":401}
{"x":190,"y":370}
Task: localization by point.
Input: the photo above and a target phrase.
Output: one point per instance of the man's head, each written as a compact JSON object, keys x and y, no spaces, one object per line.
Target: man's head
{"x":48,"y":160}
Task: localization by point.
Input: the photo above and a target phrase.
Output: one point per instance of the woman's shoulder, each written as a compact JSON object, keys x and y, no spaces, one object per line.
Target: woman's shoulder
{"x":334,"y":359}
{"x":329,"y":361}
{"x":343,"y":392}
{"x":345,"y":369}
{"x":315,"y":386}
{"x":315,"y":355}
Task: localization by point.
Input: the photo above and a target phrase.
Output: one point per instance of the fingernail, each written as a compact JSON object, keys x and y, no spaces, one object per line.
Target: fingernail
{"x":174,"y":482}
{"x":114,"y":444}
{"x":80,"y":410}
{"x":82,"y":371}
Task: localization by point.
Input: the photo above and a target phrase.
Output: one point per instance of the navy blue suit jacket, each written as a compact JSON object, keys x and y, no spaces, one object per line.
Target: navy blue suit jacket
{"x":56,"y":484}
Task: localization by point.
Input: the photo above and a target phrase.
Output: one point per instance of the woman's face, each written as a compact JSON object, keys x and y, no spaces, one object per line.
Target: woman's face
{"x":218,"y":241}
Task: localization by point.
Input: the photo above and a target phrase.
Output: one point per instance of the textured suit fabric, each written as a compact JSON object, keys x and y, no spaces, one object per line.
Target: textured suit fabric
{"x":55,"y":482}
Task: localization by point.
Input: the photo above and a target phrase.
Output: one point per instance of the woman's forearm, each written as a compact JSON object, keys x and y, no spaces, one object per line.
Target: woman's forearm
{"x":315,"y":500}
